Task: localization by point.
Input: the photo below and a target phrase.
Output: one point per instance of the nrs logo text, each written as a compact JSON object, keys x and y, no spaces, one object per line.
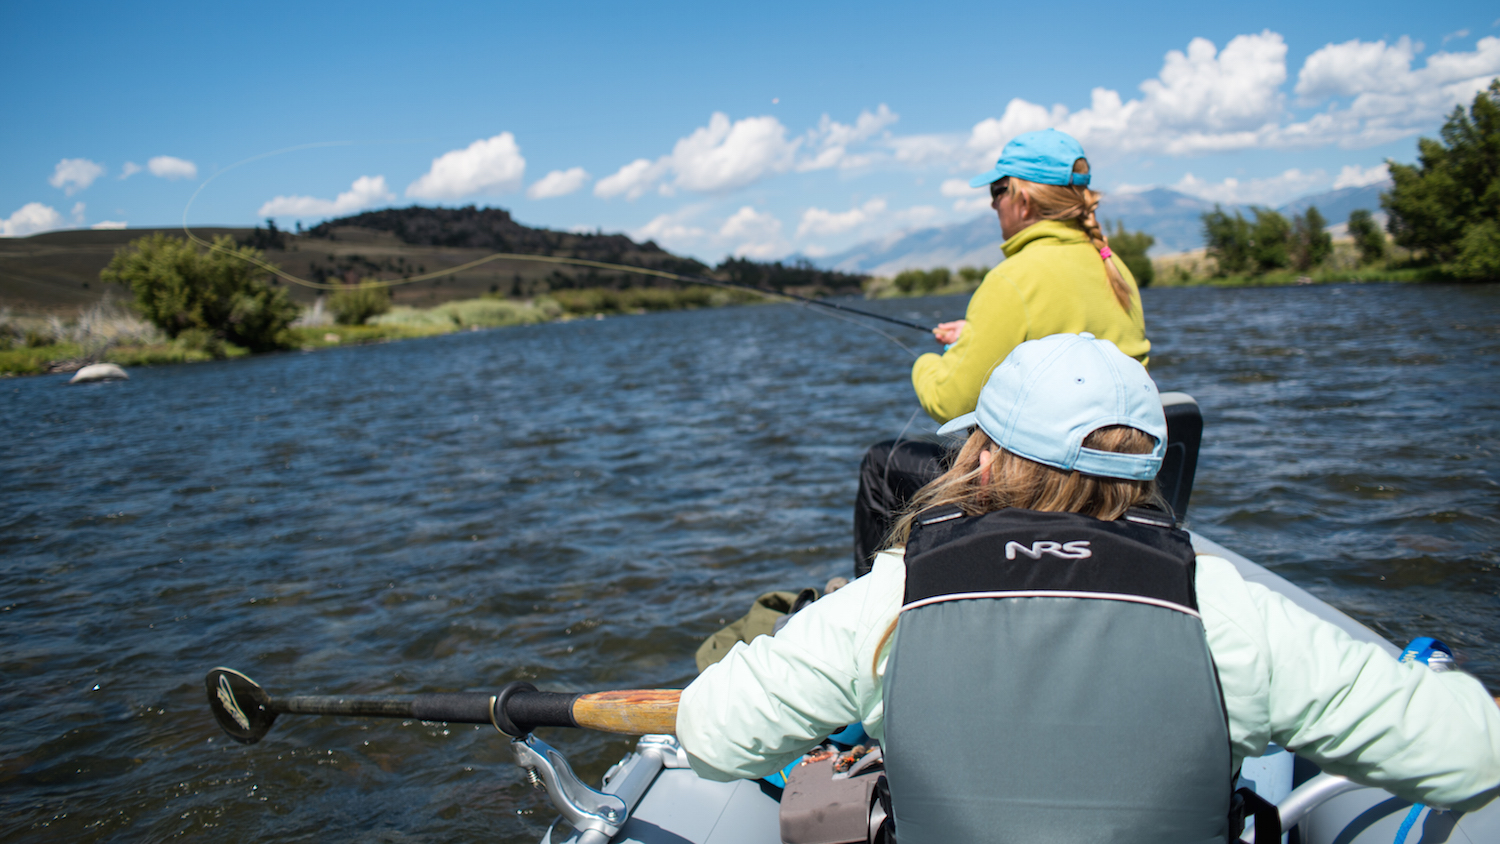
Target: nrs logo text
{"x":1075,"y":550}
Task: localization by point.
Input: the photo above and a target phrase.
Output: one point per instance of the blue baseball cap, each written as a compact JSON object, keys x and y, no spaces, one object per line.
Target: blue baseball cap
{"x":1044,"y":157}
{"x":1049,"y":394}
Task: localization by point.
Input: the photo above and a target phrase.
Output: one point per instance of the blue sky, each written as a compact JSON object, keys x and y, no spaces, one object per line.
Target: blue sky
{"x":763,"y":130}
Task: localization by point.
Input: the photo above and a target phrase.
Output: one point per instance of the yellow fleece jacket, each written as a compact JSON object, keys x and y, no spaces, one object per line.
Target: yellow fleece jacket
{"x":1052,"y":282}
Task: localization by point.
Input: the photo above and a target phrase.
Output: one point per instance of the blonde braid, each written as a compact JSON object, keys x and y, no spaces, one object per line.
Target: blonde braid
{"x":1076,"y":202}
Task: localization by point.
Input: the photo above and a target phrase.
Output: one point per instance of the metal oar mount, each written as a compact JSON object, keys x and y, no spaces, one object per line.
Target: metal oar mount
{"x":246,"y":712}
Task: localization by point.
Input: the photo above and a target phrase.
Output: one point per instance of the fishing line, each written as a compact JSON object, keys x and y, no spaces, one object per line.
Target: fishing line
{"x":511,"y":256}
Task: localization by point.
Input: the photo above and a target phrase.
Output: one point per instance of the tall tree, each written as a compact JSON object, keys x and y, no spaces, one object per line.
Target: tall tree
{"x":1228,"y":240}
{"x":1132,"y":248}
{"x":1270,"y":240}
{"x":1311,"y":245}
{"x":1448,"y":205}
{"x":1368,"y":238}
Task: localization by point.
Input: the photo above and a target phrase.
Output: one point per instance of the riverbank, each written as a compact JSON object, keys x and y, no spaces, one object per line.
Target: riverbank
{"x":1187,"y":269}
{"x":111,"y":333}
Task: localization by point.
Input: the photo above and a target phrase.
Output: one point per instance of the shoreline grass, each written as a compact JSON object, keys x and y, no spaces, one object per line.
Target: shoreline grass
{"x":111,"y":333}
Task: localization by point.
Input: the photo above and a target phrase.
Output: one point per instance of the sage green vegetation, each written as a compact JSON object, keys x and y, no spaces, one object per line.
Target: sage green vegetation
{"x":1448,"y":205}
{"x":603,"y":300}
{"x":1131,"y":247}
{"x":107,"y":331}
{"x":209,"y":300}
{"x":355,"y":304}
{"x":1368,"y":238}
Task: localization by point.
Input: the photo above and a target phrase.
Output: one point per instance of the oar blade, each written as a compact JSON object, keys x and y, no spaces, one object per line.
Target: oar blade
{"x":242,"y":708}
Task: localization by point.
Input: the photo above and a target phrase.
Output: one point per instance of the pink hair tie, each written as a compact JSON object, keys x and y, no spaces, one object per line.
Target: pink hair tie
{"x":1105,"y":253}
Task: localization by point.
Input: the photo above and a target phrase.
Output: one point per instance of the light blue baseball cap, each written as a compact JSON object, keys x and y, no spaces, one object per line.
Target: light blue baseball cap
{"x":1049,"y":394}
{"x":1044,"y":157}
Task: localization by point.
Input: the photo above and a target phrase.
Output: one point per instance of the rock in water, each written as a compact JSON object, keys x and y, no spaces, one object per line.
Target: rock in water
{"x":98,"y":372}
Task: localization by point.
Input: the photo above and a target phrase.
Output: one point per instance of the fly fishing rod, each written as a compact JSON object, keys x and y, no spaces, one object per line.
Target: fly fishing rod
{"x":246,"y":712}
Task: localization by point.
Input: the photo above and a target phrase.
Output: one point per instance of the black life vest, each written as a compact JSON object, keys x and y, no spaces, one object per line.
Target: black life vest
{"x":1050,"y":681}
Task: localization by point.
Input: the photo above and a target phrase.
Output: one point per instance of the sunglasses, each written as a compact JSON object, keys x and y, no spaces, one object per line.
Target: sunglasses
{"x":998,"y":189}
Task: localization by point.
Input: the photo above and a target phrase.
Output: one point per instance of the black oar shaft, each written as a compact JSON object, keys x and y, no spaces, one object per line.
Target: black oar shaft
{"x":462,"y":708}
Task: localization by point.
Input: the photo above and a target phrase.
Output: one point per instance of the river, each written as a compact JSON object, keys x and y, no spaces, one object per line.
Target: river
{"x":580,"y":504}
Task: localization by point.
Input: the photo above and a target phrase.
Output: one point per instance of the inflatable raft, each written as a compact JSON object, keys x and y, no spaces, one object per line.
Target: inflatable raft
{"x":668,"y":804}
{"x":652,"y":796}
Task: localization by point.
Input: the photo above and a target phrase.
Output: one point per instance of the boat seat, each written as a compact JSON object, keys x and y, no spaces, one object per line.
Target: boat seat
{"x":1184,"y":435}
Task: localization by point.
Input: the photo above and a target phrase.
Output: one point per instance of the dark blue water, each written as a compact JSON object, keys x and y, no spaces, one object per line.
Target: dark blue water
{"x":579,"y":505}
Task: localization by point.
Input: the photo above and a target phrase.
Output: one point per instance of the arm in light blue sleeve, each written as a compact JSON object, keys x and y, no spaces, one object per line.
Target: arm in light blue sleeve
{"x":766,"y":703}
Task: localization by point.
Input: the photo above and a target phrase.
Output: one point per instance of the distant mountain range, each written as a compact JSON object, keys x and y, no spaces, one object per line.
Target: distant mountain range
{"x":1172,"y":217}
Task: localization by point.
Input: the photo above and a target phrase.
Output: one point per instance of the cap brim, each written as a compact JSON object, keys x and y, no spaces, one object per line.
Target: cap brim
{"x":953,"y":426}
{"x":988,"y":178}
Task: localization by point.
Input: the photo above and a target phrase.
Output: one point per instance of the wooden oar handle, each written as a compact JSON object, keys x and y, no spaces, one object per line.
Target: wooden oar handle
{"x":633,"y":712}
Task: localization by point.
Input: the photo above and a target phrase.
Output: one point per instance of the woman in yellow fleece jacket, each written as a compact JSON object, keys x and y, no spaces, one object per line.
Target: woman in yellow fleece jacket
{"x":1059,"y":277}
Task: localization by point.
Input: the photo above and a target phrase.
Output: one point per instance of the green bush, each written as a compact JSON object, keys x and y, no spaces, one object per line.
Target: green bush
{"x":604,"y":300}
{"x":921,"y":282}
{"x":355,"y":305}
{"x":220,"y":292}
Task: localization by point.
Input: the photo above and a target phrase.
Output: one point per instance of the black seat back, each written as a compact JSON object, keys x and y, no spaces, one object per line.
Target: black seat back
{"x":1184,"y":434}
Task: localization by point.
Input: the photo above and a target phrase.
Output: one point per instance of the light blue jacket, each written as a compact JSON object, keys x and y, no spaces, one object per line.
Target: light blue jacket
{"x":1288,"y":677}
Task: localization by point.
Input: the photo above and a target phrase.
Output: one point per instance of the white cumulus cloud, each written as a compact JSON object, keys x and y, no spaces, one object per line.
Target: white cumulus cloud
{"x":130,"y":169}
{"x":633,"y":180}
{"x":31,"y":218}
{"x":757,"y":233}
{"x":1203,"y":100}
{"x":558,"y":183}
{"x":832,"y":140}
{"x":1355,"y":176}
{"x":489,"y":165}
{"x":1390,"y":98}
{"x":672,"y":231}
{"x":75,"y":174}
{"x":820,"y":221}
{"x":1354,"y":67}
{"x":169,"y":167}
{"x":719,"y":157}
{"x":109,"y":224}
{"x":1272,"y":190}
{"x":1206,"y":100}
{"x":724,"y":155}
{"x":365,"y":192}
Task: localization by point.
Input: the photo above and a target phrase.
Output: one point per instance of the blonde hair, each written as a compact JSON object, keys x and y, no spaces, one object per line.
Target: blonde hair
{"x":1074,"y":202}
{"x":1016,"y":481}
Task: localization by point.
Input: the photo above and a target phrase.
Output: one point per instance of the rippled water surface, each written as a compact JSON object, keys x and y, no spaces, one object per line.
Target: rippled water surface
{"x":580,"y":504}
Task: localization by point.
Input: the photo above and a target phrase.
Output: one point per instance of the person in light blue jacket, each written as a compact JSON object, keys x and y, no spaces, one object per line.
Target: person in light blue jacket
{"x":1068,"y":435}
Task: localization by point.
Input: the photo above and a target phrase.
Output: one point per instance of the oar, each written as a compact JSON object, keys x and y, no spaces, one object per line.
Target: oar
{"x":245,"y":711}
